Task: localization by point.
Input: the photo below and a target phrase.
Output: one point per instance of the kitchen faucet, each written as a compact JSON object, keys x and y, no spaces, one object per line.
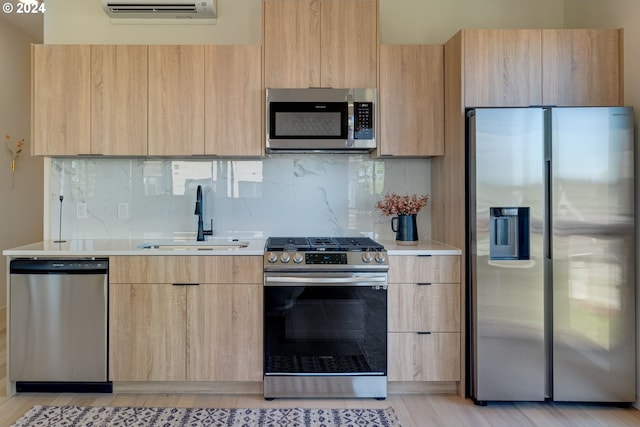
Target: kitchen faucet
{"x":199,"y":210}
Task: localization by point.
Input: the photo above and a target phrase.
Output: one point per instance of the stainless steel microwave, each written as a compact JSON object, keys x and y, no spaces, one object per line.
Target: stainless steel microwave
{"x":321,"y":120}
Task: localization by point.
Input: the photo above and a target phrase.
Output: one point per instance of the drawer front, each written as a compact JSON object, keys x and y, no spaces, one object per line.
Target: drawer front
{"x":185,"y":269}
{"x":428,"y":357}
{"x":424,"y":308}
{"x":427,"y":269}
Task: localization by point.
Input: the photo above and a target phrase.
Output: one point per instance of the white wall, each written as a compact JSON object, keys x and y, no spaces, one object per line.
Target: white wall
{"x":618,"y":14}
{"x":435,"y":21}
{"x":240,"y":21}
{"x":84,"y":22}
{"x":21,"y":195}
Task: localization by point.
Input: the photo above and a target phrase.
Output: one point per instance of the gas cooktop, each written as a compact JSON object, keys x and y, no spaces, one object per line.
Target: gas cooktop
{"x":336,"y":244}
{"x":324,"y":253}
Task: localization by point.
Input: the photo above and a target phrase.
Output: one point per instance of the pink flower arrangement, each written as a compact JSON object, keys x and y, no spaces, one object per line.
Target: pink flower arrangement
{"x":408,"y":204}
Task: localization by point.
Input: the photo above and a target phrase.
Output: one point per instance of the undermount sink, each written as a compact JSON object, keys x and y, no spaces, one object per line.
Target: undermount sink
{"x":195,"y":245}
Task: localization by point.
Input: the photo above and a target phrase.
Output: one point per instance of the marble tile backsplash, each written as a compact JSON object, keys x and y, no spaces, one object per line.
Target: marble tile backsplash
{"x":281,"y":195}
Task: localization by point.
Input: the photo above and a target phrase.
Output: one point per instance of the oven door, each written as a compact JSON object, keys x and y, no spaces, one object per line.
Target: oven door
{"x":325,"y":324}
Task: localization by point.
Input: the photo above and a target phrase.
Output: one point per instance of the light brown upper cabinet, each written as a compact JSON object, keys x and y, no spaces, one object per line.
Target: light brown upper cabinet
{"x":582,"y":67}
{"x":119,"y":100}
{"x":233,"y":101}
{"x":502,"y":67}
{"x":137,"y":100}
{"x":61,"y":100}
{"x":205,"y":100}
{"x":411,"y":100}
{"x":176,"y":100}
{"x":320,"y":43}
{"x":510,"y":68}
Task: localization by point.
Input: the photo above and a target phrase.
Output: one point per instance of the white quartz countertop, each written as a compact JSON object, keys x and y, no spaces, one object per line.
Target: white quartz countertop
{"x":119,"y":247}
{"x":424,"y":247}
{"x":255,"y":247}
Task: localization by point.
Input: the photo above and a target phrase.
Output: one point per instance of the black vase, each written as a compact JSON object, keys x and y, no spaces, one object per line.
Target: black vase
{"x":406,"y":229}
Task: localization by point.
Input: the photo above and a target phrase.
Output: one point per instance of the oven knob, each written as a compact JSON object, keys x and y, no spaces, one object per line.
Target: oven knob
{"x":272,"y":258}
{"x":380,"y":257}
{"x":298,"y":258}
{"x":366,"y":257}
{"x":285,"y":258}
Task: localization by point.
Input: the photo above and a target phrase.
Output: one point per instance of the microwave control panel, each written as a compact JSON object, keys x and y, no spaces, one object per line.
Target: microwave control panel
{"x":363,"y":120}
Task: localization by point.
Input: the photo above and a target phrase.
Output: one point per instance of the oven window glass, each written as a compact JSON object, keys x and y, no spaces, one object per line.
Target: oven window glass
{"x":325,"y":330}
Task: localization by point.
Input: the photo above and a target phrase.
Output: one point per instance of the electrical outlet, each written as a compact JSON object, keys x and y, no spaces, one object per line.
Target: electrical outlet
{"x":81,"y":210}
{"x":123,"y":210}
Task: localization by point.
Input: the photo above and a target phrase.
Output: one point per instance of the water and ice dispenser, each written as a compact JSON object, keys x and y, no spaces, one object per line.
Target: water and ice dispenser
{"x":509,"y":233}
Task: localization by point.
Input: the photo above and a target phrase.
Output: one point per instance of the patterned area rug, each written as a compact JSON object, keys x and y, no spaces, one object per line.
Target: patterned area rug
{"x":87,"y":416}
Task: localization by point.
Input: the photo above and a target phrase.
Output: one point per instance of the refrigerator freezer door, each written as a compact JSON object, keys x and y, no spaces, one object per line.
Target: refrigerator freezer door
{"x":506,"y":171}
{"x":593,"y":254}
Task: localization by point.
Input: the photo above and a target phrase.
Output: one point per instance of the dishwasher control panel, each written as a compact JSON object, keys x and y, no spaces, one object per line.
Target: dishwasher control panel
{"x":59,"y":265}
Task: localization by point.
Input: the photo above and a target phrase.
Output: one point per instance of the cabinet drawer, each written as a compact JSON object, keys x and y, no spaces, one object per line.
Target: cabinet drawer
{"x":185,"y":269}
{"x":424,"y":269}
{"x":424,"y":308}
{"x":424,"y":357}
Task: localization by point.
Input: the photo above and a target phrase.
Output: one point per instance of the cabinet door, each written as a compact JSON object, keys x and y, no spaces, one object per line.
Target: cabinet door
{"x":225,"y":332}
{"x":582,"y":67}
{"x":119,"y":100}
{"x":147,"y":324}
{"x":424,"y":357}
{"x":349,"y":43}
{"x":233,"y":101}
{"x":61,"y":100}
{"x":502,"y":68}
{"x":176,"y":100}
{"x":433,"y":307}
{"x":291,"y":43}
{"x":411,"y":100}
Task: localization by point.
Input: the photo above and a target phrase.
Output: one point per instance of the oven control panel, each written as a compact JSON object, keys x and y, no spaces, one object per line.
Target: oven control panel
{"x":321,"y":259}
{"x":325,"y":258}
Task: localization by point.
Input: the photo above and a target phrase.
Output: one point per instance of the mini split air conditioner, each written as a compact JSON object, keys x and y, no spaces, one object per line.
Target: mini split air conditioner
{"x":161,"y":9}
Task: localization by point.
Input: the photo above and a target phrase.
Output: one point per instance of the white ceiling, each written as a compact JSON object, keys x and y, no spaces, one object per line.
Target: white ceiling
{"x":30,"y":23}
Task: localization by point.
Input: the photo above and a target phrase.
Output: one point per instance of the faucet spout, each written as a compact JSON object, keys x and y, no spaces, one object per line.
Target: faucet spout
{"x":199,"y":211}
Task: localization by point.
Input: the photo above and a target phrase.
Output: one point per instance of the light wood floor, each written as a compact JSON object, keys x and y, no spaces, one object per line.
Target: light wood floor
{"x":413,"y":410}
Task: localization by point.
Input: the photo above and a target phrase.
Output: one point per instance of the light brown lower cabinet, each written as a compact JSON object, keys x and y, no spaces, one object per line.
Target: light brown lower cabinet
{"x":224,"y":332}
{"x":424,"y":357}
{"x":424,"y":339}
{"x":147,"y":324}
{"x":180,"y":329}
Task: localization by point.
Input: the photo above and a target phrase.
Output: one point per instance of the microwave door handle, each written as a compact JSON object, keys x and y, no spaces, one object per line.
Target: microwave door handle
{"x":351,"y":119}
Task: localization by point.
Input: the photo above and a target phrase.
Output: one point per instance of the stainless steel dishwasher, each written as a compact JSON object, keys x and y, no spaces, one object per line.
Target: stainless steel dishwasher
{"x":58,"y":325}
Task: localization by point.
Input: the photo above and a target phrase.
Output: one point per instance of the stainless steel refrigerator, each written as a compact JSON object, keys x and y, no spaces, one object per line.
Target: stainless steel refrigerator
{"x":551,"y":254}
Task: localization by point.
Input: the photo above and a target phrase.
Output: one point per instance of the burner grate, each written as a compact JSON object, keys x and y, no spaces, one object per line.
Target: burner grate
{"x":299,"y":244}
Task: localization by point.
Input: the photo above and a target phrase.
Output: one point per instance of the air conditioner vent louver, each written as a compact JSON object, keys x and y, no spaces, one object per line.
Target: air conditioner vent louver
{"x":159,"y":9}
{"x":136,"y":8}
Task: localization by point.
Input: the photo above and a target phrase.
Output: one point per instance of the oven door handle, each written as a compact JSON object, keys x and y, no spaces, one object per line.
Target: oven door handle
{"x":352,"y":281}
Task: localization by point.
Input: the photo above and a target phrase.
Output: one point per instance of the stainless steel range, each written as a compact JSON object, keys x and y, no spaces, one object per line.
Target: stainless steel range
{"x":325,"y":317}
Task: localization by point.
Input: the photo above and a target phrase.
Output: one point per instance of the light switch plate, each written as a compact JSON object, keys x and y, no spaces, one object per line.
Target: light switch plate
{"x":123,"y":210}
{"x":81,"y":210}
